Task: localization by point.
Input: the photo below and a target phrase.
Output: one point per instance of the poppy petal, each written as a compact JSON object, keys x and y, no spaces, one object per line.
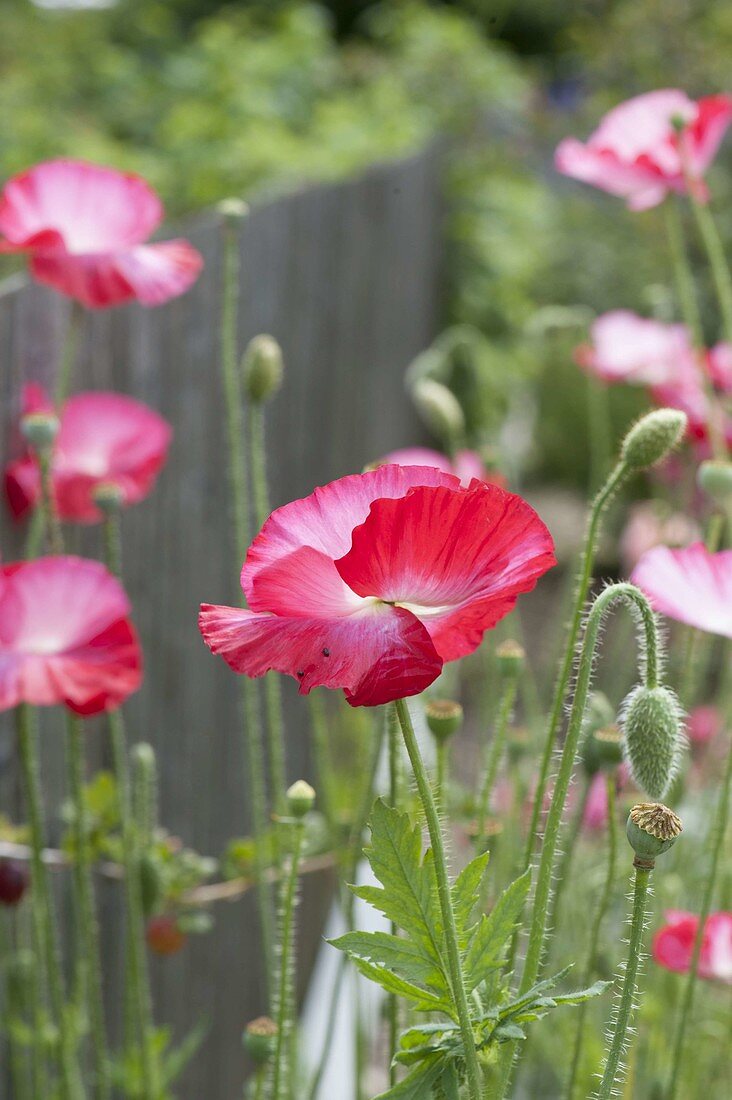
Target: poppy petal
{"x":691,"y":585}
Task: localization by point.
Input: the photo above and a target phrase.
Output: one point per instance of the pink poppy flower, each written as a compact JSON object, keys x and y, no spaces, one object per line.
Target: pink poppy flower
{"x":690,"y":585}
{"x":84,"y":228}
{"x":627,"y":348}
{"x":374,"y":581}
{"x":65,"y":636}
{"x":637,"y":153}
{"x":104,"y":438}
{"x":674,"y":943}
{"x":466,"y":465}
{"x":703,"y":724}
{"x":651,"y":523}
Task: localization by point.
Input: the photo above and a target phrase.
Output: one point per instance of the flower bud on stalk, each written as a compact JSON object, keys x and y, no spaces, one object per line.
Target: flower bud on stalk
{"x":652,"y":829}
{"x":653,"y":438}
{"x":300,"y":798}
{"x":259,"y":1039}
{"x":715,"y":479}
{"x":108,"y":497}
{"x":439,"y":408}
{"x":233,"y":210}
{"x":653,"y":737}
{"x":510,"y":656}
{"x":444,"y":718}
{"x":40,"y":430}
{"x":262,"y":368}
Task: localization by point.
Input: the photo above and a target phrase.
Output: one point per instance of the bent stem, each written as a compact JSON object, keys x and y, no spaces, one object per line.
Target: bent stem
{"x":625,"y":1008}
{"x":718,"y":833}
{"x":285,"y":1008}
{"x":443,"y":889}
{"x":45,"y":935}
{"x":86,"y":908}
{"x":590,"y":964}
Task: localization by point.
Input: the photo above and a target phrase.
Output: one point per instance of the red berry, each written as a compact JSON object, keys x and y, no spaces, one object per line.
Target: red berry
{"x":13,"y":881}
{"x":164,"y":937}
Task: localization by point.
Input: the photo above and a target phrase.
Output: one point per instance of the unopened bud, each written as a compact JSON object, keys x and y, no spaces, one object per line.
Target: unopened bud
{"x":233,"y":210}
{"x":259,"y":1039}
{"x":653,"y":737}
{"x":599,"y":714}
{"x":511,"y":657}
{"x":439,"y":408}
{"x":40,"y":429}
{"x":444,"y":718}
{"x":652,"y":438}
{"x":300,"y":798}
{"x":715,"y":479}
{"x":651,"y":830}
{"x":262,"y":368}
{"x":108,"y":497}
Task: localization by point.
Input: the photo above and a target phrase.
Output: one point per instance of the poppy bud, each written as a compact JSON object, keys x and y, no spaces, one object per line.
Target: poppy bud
{"x":651,"y":830}
{"x":262,"y":368}
{"x":439,"y":408}
{"x":259,"y":1039}
{"x":715,"y":479}
{"x":40,"y":429}
{"x":108,"y":497}
{"x":511,"y":657}
{"x":652,"y":730}
{"x":599,"y":714}
{"x":444,"y":718}
{"x":13,"y":881}
{"x":652,"y":438}
{"x":300,"y":798}
{"x":233,"y":210}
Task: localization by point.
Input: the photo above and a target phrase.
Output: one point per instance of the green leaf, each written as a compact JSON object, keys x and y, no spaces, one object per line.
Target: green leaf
{"x":582,"y":995}
{"x":405,"y":958}
{"x":493,"y":933}
{"x":449,"y":1083}
{"x":422,"y":999}
{"x":415,"y":1086}
{"x":409,"y":896}
{"x":466,"y":894}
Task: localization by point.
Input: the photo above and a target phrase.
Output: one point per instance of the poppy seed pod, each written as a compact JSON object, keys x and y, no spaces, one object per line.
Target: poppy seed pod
{"x":511,"y":657}
{"x":262,"y":368}
{"x":259,"y":1039}
{"x":653,"y":737}
{"x":652,"y":438}
{"x":651,"y":830}
{"x":40,"y":429}
{"x":444,"y":718}
{"x":233,"y":210}
{"x":715,"y":479}
{"x":300,"y":798}
{"x":108,"y":497}
{"x":439,"y":408}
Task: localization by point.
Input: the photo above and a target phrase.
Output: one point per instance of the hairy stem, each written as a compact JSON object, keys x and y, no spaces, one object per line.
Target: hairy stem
{"x":285,"y":1007}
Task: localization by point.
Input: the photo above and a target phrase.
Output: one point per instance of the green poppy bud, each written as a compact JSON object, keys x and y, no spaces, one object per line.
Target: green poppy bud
{"x":40,"y":429}
{"x":653,"y":737}
{"x":233,"y":210}
{"x":715,"y":479}
{"x":444,"y":718}
{"x":260,"y":1038}
{"x":652,"y":438}
{"x":439,"y":408}
{"x":300,"y":798}
{"x":651,"y":830}
{"x":510,"y":656}
{"x":108,"y":497}
{"x":263,"y":368}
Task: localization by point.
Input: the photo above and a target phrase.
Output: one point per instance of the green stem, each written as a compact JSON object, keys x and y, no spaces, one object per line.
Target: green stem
{"x":69,"y":353}
{"x":112,"y":543}
{"x":717,"y":261}
{"x":22,"y":993}
{"x":392,"y":719}
{"x":565,"y":862}
{"x":282,"y":1068}
{"x":495,"y":755}
{"x":683,"y":274}
{"x":625,"y":1008}
{"x":441,"y":772}
{"x":591,"y":963}
{"x":45,"y":935}
{"x":86,"y":908}
{"x":321,"y":753}
{"x":443,"y":889}
{"x":54,"y":535}
{"x":716,"y":844}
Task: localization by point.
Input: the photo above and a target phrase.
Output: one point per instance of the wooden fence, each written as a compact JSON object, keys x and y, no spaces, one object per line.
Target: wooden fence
{"x":346,"y":278}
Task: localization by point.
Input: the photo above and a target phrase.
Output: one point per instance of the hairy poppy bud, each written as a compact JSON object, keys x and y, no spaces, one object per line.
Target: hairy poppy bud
{"x":263,"y":368}
{"x":40,"y":429}
{"x":653,"y":737}
{"x":108,"y":497}
{"x":444,"y":718}
{"x":259,"y":1039}
{"x":233,"y":210}
{"x":715,"y":479}
{"x":651,"y":830}
{"x":652,"y":438}
{"x":300,"y":798}
{"x":439,"y":408}
{"x":510,"y":656}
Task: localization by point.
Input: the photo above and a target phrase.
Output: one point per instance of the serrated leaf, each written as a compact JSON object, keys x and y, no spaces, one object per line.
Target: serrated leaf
{"x":416,"y":1084}
{"x":466,"y":894}
{"x":582,"y":995}
{"x":506,"y":1032}
{"x":448,"y":1085}
{"x":493,"y":933}
{"x":422,"y":999}
{"x":405,"y":958}
{"x":409,"y":896}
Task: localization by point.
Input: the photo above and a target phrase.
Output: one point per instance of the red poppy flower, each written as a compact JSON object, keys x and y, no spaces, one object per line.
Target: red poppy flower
{"x":104,"y":438}
{"x":691,"y":585}
{"x":638,"y":153}
{"x":465,"y":464}
{"x":65,"y":636}
{"x":84,"y":228}
{"x":374,"y":581}
{"x":674,"y":943}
